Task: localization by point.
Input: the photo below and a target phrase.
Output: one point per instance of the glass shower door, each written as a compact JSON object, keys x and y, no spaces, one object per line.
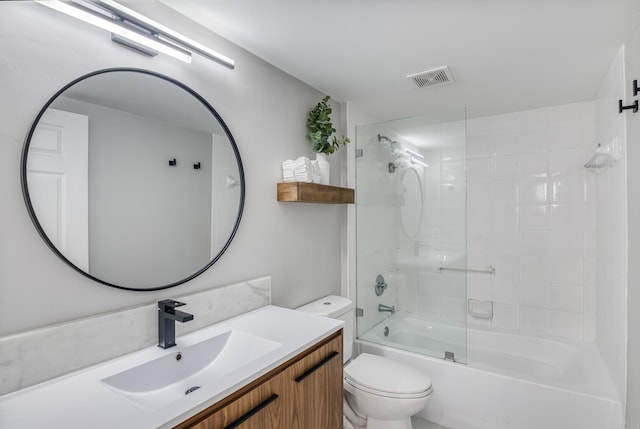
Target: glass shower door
{"x":411,"y":234}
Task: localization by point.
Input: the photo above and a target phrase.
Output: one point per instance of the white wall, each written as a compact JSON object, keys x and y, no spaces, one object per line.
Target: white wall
{"x":531,"y":215}
{"x":632,"y":71}
{"x":265,"y":109}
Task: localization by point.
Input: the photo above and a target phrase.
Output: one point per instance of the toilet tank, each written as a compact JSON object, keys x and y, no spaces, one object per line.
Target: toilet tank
{"x":336,"y":307}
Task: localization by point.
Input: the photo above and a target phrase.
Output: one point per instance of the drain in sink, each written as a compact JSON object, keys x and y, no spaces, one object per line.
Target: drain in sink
{"x":191,"y":389}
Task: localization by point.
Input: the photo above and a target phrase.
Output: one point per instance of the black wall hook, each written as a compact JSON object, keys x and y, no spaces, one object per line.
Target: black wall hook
{"x":635,"y":88}
{"x":196,"y":166}
{"x":633,"y":106}
{"x":172,"y":162}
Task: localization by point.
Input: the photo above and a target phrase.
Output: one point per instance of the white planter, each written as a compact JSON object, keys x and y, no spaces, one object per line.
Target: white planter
{"x":325,"y":170}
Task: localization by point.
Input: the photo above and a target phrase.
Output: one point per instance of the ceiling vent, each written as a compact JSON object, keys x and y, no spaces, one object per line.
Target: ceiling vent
{"x":439,"y":76}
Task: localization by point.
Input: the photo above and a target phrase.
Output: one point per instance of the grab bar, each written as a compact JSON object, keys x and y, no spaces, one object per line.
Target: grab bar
{"x":490,"y":270}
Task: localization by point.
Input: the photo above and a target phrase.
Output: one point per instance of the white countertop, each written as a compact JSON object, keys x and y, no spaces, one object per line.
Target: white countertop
{"x":81,"y":400}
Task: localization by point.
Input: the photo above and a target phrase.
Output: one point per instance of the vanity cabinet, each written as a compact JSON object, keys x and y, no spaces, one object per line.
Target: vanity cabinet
{"x":303,"y":393}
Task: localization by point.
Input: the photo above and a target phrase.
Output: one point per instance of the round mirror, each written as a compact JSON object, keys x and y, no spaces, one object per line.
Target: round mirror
{"x":412,"y":207}
{"x":133,"y":179}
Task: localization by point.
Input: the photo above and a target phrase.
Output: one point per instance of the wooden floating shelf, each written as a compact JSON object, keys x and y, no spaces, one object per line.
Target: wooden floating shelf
{"x":304,"y":192}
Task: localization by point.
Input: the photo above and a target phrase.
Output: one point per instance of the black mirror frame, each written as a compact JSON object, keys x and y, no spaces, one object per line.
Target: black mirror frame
{"x":31,"y":211}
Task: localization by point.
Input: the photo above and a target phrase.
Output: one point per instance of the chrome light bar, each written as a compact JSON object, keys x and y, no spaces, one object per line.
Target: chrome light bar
{"x":147,"y":35}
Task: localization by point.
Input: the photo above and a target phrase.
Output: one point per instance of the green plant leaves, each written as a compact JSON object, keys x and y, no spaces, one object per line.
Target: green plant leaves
{"x":321,"y":129}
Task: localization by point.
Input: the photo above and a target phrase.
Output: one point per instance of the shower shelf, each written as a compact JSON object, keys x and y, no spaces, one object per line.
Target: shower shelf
{"x":304,"y":192}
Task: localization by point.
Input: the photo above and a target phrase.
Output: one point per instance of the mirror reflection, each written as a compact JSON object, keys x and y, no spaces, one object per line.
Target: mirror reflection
{"x":133,"y":179}
{"x":411,"y":207}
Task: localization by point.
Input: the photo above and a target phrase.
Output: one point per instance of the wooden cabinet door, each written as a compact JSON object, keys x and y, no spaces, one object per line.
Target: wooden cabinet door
{"x":314,"y":384}
{"x":261,"y":408}
{"x":305,"y":393}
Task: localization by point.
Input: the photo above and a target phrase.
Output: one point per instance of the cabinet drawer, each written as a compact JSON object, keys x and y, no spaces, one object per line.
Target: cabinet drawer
{"x":260,"y":408}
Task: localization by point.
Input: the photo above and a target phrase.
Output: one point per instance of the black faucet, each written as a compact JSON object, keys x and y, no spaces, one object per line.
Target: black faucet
{"x":167,"y":316}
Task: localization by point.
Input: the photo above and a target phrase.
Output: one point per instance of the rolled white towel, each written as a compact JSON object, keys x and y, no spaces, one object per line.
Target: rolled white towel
{"x":303,"y":170}
{"x":288,"y":173}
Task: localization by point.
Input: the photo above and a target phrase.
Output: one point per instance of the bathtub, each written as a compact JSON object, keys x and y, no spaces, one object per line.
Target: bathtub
{"x":508,"y":382}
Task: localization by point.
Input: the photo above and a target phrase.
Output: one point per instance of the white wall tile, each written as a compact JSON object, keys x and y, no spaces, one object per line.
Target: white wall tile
{"x":478,"y":145}
{"x":534,"y":320}
{"x":567,"y":217}
{"x":534,"y":217}
{"x":567,"y":243}
{"x":533,"y":192}
{"x":589,"y":327}
{"x":504,"y":216}
{"x":534,"y":243}
{"x":566,"y":298}
{"x":504,"y":142}
{"x":453,"y":309}
{"x":506,"y":266}
{"x":534,"y":165}
{"x":534,"y":294}
{"x":505,"y":241}
{"x":566,"y":163}
{"x":534,"y":269}
{"x":479,"y":286}
{"x":505,"y":167}
{"x":565,"y":136}
{"x":478,"y":193}
{"x":505,"y":316}
{"x":568,"y":190}
{"x":504,"y":192}
{"x":534,"y":140}
{"x":479,"y":169}
{"x":590,"y":271}
{"x":505,"y":292}
{"x":566,"y":270}
{"x":590,"y":191}
{"x":479,"y":216}
{"x":479,"y":240}
{"x":589,"y":300}
{"x":566,"y":325}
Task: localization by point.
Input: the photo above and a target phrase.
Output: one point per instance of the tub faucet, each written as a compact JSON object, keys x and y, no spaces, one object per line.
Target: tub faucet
{"x":390,"y":309}
{"x":167,"y":317}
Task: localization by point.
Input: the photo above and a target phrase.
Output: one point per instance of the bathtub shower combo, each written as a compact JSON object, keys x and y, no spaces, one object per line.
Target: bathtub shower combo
{"x":412,"y":303}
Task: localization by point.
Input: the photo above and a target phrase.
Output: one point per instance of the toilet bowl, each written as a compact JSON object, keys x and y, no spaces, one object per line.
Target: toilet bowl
{"x":379,"y":393}
{"x":385,"y":392}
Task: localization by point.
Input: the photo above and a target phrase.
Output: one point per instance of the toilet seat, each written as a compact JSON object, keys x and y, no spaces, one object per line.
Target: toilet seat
{"x":384,"y":377}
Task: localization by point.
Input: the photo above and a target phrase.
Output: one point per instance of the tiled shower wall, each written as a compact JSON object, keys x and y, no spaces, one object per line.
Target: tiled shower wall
{"x":611,"y":189}
{"x":532,"y":215}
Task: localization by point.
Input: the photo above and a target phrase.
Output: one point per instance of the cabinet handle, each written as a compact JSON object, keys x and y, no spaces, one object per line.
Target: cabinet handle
{"x":251,"y":412}
{"x":311,"y":370}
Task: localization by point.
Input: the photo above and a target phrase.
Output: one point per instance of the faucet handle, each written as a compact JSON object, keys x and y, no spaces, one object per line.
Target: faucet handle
{"x":169,"y":305}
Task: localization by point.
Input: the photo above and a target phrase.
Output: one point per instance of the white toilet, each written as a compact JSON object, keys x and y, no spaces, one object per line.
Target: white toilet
{"x":379,"y":393}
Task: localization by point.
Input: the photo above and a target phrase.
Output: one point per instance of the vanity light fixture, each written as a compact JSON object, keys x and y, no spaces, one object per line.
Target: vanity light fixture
{"x":414,"y":153}
{"x":136,"y":31}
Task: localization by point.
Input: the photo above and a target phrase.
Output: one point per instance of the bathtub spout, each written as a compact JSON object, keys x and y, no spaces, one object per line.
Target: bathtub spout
{"x":390,"y":309}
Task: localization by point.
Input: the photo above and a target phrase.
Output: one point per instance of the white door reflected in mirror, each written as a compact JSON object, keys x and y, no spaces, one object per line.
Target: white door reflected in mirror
{"x":57,"y":175}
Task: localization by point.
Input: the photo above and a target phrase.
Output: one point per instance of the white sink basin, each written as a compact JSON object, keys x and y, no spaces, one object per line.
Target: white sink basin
{"x":170,"y":378}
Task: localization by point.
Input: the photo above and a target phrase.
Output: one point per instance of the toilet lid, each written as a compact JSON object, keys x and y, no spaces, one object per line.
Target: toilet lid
{"x":385,"y":375}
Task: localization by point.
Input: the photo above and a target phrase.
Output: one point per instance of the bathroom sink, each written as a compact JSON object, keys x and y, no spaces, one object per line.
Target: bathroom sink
{"x":167,"y":379}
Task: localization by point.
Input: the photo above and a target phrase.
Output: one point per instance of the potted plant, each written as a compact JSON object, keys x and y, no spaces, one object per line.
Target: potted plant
{"x":320,"y":131}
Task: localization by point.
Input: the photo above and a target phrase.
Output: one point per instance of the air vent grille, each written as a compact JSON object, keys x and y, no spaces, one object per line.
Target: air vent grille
{"x":439,"y":76}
